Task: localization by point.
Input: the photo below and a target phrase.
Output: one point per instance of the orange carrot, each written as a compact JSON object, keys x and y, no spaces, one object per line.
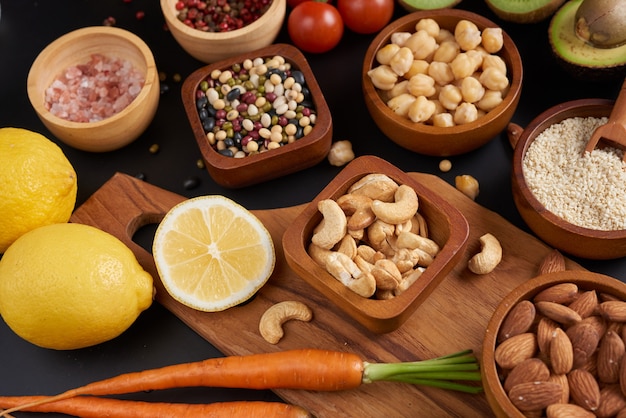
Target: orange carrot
{"x":308,"y":369}
{"x":93,"y":407}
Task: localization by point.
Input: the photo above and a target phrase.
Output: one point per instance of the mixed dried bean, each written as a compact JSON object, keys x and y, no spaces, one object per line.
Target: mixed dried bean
{"x":255,"y":106}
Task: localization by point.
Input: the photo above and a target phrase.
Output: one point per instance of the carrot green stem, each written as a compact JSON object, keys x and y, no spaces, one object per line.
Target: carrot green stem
{"x":447,"y":372}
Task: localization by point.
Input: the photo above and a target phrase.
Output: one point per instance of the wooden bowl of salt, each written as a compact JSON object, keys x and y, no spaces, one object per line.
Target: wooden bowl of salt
{"x":102,"y":118}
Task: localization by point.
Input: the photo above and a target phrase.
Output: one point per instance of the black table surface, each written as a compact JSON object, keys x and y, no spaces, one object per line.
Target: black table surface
{"x":159,"y":338}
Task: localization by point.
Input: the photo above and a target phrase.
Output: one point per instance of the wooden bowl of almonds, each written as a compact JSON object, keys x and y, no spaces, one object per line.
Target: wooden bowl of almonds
{"x":554,"y":347}
{"x":95,"y":88}
{"x":376,"y":243}
{"x":573,"y":200}
{"x":258,"y":116}
{"x":442,"y":82}
{"x":213,"y":37}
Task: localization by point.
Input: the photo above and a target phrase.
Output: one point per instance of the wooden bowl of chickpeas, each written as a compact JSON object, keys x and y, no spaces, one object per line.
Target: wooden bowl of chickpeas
{"x":573,"y":200}
{"x":442,"y":82}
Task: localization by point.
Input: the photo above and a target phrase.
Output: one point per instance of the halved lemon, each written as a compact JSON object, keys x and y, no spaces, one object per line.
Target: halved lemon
{"x":212,"y":253}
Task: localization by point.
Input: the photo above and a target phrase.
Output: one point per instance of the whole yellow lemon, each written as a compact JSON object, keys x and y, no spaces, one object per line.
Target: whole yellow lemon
{"x":68,"y":286}
{"x":38,"y":184}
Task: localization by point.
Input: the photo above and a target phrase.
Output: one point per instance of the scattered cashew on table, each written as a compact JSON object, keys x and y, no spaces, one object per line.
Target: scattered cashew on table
{"x":489,"y":256}
{"x":272,"y":320}
{"x":373,"y":239}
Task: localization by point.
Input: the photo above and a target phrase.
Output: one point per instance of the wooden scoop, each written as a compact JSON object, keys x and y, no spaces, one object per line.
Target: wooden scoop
{"x":613,"y":133}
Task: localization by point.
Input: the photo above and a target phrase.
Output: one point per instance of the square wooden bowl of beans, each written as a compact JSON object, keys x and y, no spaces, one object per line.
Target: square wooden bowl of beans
{"x":376,"y":243}
{"x":442,"y":82}
{"x":258,"y":116}
{"x":572,"y":201}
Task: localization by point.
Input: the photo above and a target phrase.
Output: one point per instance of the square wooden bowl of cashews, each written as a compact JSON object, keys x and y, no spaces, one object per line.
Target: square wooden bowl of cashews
{"x":376,"y":243}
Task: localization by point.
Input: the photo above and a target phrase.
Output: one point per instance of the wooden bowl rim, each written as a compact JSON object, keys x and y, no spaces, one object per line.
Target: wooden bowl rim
{"x":490,"y":378}
{"x":372,"y":308}
{"x":150,"y":78}
{"x":295,"y":57}
{"x":516,"y":69}
{"x":264,"y":19}
{"x":534,"y":128}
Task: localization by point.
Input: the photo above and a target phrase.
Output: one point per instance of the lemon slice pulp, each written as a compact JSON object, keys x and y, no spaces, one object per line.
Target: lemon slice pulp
{"x":212,"y":253}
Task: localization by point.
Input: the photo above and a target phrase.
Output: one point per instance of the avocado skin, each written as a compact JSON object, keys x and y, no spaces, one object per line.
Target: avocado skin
{"x":580,"y":71}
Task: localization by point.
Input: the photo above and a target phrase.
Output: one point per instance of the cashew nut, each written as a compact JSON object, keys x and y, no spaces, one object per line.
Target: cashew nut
{"x":402,"y":209}
{"x":412,"y":241}
{"x":489,"y":256}
{"x":358,"y":209}
{"x":347,"y":245}
{"x":375,"y":186}
{"x":407,"y":280}
{"x":467,"y":185}
{"x":386,"y":274}
{"x":333,"y":227}
{"x":270,"y":325}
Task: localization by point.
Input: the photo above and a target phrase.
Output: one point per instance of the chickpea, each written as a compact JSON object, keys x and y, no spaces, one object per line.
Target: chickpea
{"x":398,"y":89}
{"x":468,"y":39}
{"x":384,"y":54}
{"x":494,"y":61}
{"x":399,"y":38}
{"x":417,"y":67}
{"x":444,"y":36}
{"x":383,"y":77}
{"x":401,"y":103}
{"x":429,"y":25}
{"x":402,"y":60}
{"x":490,"y":100}
{"x":443,"y":120}
{"x":440,"y":72}
{"x":465,"y":113}
{"x":422,"y":85}
{"x":450,"y":96}
{"x":421,"y":110}
{"x":476,"y":58}
{"x":472,"y":90}
{"x":462,"y":66}
{"x":422,"y":44}
{"x":447,"y":51}
{"x":494,"y":79}
{"x":492,"y":40}
{"x":464,"y":25}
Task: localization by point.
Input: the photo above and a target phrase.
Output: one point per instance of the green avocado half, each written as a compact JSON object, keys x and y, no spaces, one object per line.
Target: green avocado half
{"x":580,"y":58}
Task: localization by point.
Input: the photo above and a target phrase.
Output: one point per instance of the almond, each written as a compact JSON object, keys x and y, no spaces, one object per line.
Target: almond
{"x":561,"y":379}
{"x":561,"y":352}
{"x":545,"y":329}
{"x":610,"y":353}
{"x":558,"y":313}
{"x":567,"y":410}
{"x":563,"y":293}
{"x":611,"y":401}
{"x":529,"y":370}
{"x":553,"y":262}
{"x":516,"y":349}
{"x":534,"y":396}
{"x":584,"y":389}
{"x":622,"y":375}
{"x":585,"y":304}
{"x":585,"y":338}
{"x":518,"y":320}
{"x":613,"y":310}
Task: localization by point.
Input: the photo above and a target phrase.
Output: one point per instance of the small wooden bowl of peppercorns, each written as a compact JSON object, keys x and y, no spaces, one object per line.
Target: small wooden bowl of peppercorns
{"x":212,"y":30}
{"x":258,"y":116}
{"x":573,"y":200}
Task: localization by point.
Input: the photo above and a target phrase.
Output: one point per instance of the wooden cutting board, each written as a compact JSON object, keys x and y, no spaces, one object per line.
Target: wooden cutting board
{"x":452,"y":319}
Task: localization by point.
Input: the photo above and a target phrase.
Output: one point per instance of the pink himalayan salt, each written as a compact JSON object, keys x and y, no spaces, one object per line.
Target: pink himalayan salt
{"x":94,"y":91}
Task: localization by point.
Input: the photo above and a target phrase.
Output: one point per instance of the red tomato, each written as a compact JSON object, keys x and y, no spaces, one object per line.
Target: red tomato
{"x":366,"y":16}
{"x":294,"y":3}
{"x":315,"y":26}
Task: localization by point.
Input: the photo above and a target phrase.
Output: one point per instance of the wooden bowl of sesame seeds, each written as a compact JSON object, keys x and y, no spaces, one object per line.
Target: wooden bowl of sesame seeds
{"x":210,"y":46}
{"x":95,"y":88}
{"x":574,"y":202}
{"x":245,"y":136}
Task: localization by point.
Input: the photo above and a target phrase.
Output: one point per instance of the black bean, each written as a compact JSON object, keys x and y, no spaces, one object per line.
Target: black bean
{"x":191,"y":182}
